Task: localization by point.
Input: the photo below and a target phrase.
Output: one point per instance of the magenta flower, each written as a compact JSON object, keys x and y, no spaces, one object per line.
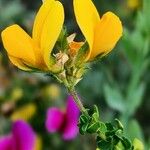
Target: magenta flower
{"x":21,"y":138}
{"x":63,"y":122}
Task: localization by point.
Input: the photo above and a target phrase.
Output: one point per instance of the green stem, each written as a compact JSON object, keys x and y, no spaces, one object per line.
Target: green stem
{"x":77,"y":100}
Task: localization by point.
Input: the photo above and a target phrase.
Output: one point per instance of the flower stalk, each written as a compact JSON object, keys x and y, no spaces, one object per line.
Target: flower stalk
{"x":74,"y":94}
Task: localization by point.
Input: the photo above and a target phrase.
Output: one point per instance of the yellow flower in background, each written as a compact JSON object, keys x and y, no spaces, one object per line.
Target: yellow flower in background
{"x":24,"y":51}
{"x":133,"y":4}
{"x":38,"y":143}
{"x":16,"y":94}
{"x":51,"y":91}
{"x":102,"y":33}
{"x":25,"y":112}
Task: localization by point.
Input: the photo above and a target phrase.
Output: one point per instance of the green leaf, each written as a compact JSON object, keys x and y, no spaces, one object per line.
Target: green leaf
{"x":102,"y":127}
{"x":135,"y":98}
{"x":146,"y":12}
{"x":129,"y":48}
{"x":119,"y":134}
{"x":110,"y":133}
{"x":93,"y":127}
{"x":126,"y":143}
{"x":83,"y":129}
{"x":103,"y":145}
{"x":119,"y":124}
{"x":96,"y":110}
{"x":83,"y":119}
{"x":134,"y":130}
{"x":137,"y":37}
{"x":109,"y":126}
{"x":114,"y":98}
{"x":116,"y":140}
{"x":146,"y":47}
{"x":95,"y":115}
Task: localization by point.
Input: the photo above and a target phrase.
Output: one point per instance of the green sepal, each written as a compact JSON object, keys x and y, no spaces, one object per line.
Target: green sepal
{"x":62,"y":43}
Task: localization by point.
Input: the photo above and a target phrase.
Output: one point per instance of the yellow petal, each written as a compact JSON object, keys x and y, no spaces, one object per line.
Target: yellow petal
{"x":51,"y":29}
{"x":18,"y":63}
{"x":18,"y":44}
{"x":25,"y":112}
{"x":40,"y":19}
{"x":107,"y":32}
{"x":47,"y":0}
{"x":133,"y":4}
{"x":87,"y":18}
{"x":38,"y":143}
{"x":17,"y":94}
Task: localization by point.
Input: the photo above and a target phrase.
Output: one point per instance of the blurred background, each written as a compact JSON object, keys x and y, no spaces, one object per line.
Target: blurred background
{"x":119,"y":84}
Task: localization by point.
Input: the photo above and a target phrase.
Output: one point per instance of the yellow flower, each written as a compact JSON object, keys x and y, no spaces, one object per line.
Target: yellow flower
{"x":24,"y":113}
{"x":51,"y":91}
{"x":38,"y":143}
{"x":24,"y":51}
{"x":102,"y":33}
{"x":133,"y":4}
{"x":16,"y":94}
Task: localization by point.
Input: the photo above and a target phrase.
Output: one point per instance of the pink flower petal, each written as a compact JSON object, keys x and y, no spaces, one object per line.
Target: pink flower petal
{"x":72,"y":115}
{"x":6,"y":143}
{"x":23,"y":136}
{"x":54,"y":119}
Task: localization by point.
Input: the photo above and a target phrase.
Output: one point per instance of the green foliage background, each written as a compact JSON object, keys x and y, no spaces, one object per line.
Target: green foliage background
{"x":119,"y":84}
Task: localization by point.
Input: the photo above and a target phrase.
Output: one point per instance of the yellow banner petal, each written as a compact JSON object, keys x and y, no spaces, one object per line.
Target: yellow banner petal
{"x":18,"y":44}
{"x":107,"y":32}
{"x":17,"y":62}
{"x":40,"y":19}
{"x":51,"y":29}
{"x":87,"y":18}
